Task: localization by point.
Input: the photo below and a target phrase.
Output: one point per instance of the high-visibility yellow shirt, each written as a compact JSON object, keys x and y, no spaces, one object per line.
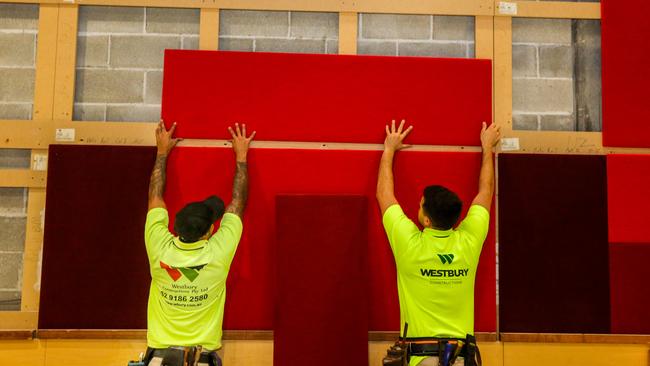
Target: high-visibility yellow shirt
{"x":188,"y":287}
{"x":435,"y":273}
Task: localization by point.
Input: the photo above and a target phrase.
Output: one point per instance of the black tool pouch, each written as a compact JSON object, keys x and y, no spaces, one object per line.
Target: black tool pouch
{"x":472,"y":354}
{"x":174,"y":356}
{"x":397,"y":355}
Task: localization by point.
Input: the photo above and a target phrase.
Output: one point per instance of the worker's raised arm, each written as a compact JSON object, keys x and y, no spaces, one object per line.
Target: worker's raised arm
{"x":240,"y":144}
{"x":385,"y":182}
{"x":489,"y":138}
{"x":165,"y":143}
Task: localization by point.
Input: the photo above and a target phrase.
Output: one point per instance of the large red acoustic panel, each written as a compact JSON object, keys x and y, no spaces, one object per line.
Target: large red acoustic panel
{"x":333,"y":98}
{"x":95,"y":270}
{"x":322,"y":280}
{"x":194,"y":173}
{"x":628,"y":275}
{"x":628,"y":180}
{"x":626,"y":75}
{"x":553,"y":261}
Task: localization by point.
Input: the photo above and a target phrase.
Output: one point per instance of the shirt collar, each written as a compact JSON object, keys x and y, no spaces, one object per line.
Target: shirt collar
{"x":189,"y":246}
{"x":438,"y":233}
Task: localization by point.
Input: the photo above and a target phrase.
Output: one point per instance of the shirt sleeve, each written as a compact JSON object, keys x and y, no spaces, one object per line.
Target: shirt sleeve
{"x":475,"y":227}
{"x":156,"y":232}
{"x":399,"y":228}
{"x":227,"y":237}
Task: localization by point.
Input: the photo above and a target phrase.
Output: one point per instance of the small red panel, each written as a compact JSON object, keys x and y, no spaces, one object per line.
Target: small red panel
{"x":322,"y":280}
{"x":195,"y":173}
{"x":629,"y":295}
{"x":626,"y":74}
{"x":329,"y":98}
{"x":628,"y":182}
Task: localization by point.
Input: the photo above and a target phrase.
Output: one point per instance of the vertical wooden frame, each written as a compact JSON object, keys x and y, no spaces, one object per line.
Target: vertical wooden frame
{"x":48,"y":24}
{"x":66,"y":55}
{"x":503,"y":74}
{"x":209,"y":29}
{"x":348,"y":29}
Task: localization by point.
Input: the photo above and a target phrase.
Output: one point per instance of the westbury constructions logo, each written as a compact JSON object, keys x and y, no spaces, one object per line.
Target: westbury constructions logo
{"x":177,"y":272}
{"x":446,"y":258}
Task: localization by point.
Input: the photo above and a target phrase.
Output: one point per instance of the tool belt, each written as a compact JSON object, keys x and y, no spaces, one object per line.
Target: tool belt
{"x":446,"y":349}
{"x":182,"y":356}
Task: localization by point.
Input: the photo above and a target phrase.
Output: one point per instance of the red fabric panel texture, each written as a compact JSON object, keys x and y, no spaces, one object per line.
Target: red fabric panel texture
{"x":628,"y":180}
{"x":195,"y":173}
{"x":625,"y":72}
{"x":321,"y":281}
{"x":629,"y":274}
{"x":327,"y":98}
{"x":553,"y":249}
{"x":95,"y":272}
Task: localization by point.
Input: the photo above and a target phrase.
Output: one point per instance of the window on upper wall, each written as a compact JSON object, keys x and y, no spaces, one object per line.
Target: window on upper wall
{"x":416,"y":35}
{"x":18,"y":36}
{"x":278,"y":31}
{"x":556,"y":80}
{"x":120,"y":53}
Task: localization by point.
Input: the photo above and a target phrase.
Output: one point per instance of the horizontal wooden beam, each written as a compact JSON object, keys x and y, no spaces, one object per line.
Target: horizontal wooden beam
{"x":458,"y":7}
{"x":16,"y":334}
{"x":22,"y":178}
{"x":552,"y":9}
{"x":575,"y":338}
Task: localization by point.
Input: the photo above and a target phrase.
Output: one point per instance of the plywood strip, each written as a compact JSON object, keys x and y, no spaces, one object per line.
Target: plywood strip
{"x":503,"y":74}
{"x":348,"y":28}
{"x":48,"y":22}
{"x":12,"y":320}
{"x":209,"y":29}
{"x":576,"y":338}
{"x":484,"y":37}
{"x":66,"y":55}
{"x":460,"y":7}
{"x":21,"y":178}
{"x":33,"y":249}
{"x":554,"y":9}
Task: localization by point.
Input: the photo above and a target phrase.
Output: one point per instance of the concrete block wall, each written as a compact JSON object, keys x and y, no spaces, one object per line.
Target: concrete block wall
{"x":545,"y":74}
{"x":120,"y":52}
{"x":415,"y":35}
{"x":278,"y":31}
{"x":18,"y":37}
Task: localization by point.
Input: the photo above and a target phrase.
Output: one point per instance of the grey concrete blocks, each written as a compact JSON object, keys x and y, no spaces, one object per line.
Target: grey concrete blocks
{"x":556,"y":61}
{"x":254,"y":23}
{"x":92,"y":51}
{"x":525,"y":122}
{"x":17,"y":49}
{"x":395,"y":26}
{"x":382,"y":48}
{"x":542,"y":95}
{"x":172,"y":20}
{"x":236,"y":44}
{"x":16,"y":85}
{"x":111,"y":19}
{"x":153,"y":87}
{"x":13,"y":201}
{"x":139,"y":113}
{"x":89,"y":112}
{"x":432,"y":49}
{"x":109,"y":86}
{"x":524,"y":61}
{"x":11,"y":265}
{"x":15,"y":158}
{"x":290,"y":45}
{"x":453,"y":28}
{"x":19,"y":16}
{"x":12,"y":234}
{"x":141,"y":51}
{"x":314,"y":25}
{"x":531,"y":30}
{"x":16,"y":110}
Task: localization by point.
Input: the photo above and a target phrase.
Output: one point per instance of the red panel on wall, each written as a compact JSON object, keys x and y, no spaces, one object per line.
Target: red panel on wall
{"x":628,"y":182}
{"x":626,"y":75}
{"x":195,"y":173}
{"x":332,"y":98}
{"x":322,"y":280}
{"x":95,"y":268}
{"x":629,"y":273}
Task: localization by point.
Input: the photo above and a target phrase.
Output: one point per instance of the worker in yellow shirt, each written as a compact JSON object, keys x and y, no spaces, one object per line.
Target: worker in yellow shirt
{"x":189,"y":271}
{"x":436,"y":266}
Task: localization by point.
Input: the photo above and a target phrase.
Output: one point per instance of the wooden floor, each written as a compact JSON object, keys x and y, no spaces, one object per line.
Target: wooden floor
{"x":73,"y":352}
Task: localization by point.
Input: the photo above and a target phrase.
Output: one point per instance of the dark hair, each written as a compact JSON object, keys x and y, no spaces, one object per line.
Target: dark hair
{"x":442,"y":206}
{"x":194,"y":220}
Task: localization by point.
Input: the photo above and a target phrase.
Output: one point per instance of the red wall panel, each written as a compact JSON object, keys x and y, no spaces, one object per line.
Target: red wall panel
{"x":322,"y":280}
{"x":626,"y":75}
{"x":330,"y":98}
{"x":628,"y":182}
{"x":195,"y":173}
{"x":629,"y":295}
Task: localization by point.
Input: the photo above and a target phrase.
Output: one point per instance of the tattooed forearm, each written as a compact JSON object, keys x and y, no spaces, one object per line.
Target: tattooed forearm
{"x":239,"y":190}
{"x":158,"y":178}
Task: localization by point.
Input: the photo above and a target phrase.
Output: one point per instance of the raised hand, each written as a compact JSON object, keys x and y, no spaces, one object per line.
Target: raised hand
{"x":164,"y":140}
{"x":490,"y":136}
{"x":395,"y":137}
{"x":240,"y":142}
